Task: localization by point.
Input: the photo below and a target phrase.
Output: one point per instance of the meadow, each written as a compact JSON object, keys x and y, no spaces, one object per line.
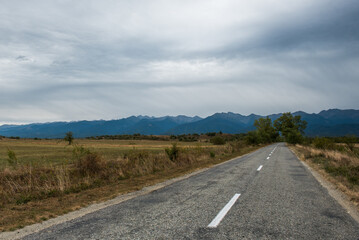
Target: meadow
{"x":56,"y":152}
{"x":41,"y":179}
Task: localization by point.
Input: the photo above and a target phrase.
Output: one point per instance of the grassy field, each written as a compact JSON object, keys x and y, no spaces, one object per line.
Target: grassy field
{"x":55,"y":152}
{"x":41,"y":179}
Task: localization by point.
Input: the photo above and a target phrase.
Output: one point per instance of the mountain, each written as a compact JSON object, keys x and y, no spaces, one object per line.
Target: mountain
{"x":224,"y":122}
{"x":332,"y":122}
{"x":140,"y":124}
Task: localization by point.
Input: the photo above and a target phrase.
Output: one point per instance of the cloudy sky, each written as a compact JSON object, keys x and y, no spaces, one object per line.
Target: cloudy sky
{"x":74,"y":60}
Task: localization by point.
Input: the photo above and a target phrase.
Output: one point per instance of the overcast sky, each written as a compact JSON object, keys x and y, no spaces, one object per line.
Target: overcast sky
{"x":75,"y":60}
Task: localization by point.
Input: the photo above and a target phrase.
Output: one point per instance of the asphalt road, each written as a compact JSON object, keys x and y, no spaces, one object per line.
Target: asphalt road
{"x":236,"y":200}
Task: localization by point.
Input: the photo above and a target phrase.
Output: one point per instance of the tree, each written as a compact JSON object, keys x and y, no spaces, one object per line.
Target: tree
{"x":291,"y":127}
{"x":265,"y":130}
{"x":69,"y":137}
{"x":253,"y":138}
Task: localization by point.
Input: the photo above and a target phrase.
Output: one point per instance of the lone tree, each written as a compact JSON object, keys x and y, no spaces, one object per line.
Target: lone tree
{"x":291,"y":127}
{"x":69,"y":137}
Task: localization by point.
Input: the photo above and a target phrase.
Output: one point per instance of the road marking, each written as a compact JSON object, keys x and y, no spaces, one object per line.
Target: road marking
{"x":224,"y":211}
{"x":260,"y":167}
{"x":270,"y":154}
{"x":267,"y":158}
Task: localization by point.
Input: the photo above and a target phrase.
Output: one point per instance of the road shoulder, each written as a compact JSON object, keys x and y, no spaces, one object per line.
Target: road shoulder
{"x":333,"y":191}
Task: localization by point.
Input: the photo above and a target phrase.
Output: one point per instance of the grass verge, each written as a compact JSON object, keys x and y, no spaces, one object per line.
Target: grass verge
{"x":339,"y":168}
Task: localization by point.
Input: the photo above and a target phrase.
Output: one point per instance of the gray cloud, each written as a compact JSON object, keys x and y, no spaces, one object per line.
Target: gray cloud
{"x":65,"y":60}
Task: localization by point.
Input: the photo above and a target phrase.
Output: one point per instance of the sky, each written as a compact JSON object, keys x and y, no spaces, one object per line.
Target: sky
{"x":86,"y":60}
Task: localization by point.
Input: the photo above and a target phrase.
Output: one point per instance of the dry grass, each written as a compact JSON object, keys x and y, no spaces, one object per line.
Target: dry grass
{"x":339,"y":168}
{"x":51,"y":178}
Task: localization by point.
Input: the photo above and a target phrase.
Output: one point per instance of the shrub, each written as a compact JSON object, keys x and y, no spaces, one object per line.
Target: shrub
{"x":323,"y":143}
{"x":91,"y":163}
{"x":350,"y":142}
{"x":79,"y":151}
{"x":172,"y":152}
{"x":12,"y":159}
{"x":87,"y":162}
{"x":218,"y":140}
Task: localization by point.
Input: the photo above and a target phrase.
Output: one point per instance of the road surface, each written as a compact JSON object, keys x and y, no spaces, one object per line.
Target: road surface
{"x":267,"y":194}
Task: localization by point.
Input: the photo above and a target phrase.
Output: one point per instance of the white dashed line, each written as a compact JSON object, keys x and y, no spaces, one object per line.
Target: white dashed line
{"x":224,"y":211}
{"x":268,"y":158}
{"x":260,"y":167}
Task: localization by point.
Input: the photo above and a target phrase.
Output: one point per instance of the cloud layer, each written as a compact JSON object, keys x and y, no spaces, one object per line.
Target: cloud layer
{"x":66,"y":60}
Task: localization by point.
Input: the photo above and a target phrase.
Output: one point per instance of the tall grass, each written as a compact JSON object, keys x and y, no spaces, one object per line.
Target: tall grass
{"x":340,"y":164}
{"x":88,"y":168}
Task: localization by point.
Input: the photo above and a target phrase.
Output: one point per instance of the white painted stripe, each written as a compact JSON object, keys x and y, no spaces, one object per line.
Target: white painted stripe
{"x":267,"y":158}
{"x":224,"y":211}
{"x":260,"y":167}
{"x":270,"y":154}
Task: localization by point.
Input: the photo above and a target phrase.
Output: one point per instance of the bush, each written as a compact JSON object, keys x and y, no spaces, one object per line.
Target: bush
{"x":172,"y":152}
{"x":12,"y":159}
{"x":323,"y":143}
{"x":218,"y":140}
{"x":91,"y":163}
{"x":87,"y":162}
{"x":350,"y":142}
{"x":79,"y":152}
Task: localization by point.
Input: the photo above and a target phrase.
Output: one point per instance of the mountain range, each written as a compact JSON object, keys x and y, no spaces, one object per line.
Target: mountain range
{"x":332,"y":122}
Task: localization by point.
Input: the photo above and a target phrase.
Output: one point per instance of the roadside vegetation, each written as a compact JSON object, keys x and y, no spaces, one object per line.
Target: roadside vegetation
{"x":40,"y":178}
{"x":337,"y":159}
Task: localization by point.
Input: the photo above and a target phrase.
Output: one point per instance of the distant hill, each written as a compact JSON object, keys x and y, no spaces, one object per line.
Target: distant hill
{"x":333,"y":122}
{"x":140,"y":124}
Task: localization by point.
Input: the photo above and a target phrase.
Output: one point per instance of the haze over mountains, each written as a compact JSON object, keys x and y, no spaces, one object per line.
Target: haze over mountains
{"x":333,"y":122}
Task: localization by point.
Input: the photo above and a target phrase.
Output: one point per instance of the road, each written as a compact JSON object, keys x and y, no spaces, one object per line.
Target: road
{"x":267,"y":194}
